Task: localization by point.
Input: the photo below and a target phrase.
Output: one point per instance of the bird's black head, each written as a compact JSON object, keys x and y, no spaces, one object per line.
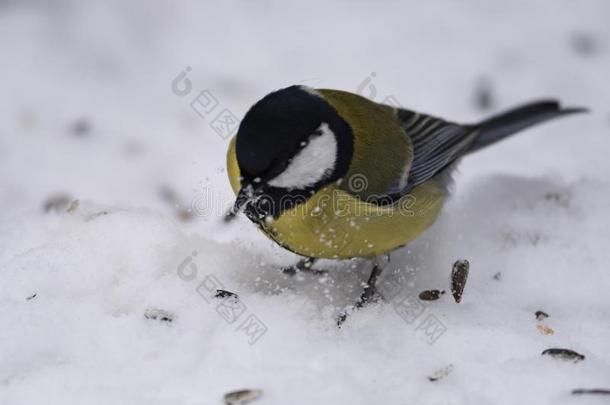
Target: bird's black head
{"x":290,"y":144}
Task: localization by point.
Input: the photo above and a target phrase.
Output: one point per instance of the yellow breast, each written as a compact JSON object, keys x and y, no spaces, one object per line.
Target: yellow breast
{"x":336,"y":225}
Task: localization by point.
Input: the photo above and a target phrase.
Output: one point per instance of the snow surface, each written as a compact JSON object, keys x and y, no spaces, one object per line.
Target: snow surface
{"x":87,"y":112}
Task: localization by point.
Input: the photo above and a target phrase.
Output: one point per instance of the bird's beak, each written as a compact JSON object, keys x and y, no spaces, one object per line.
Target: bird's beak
{"x":245,"y":195}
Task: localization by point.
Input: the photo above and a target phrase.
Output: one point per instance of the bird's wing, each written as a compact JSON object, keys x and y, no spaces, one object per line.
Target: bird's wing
{"x":436,"y":144}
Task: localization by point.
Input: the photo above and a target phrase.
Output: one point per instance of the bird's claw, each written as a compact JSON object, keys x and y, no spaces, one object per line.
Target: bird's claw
{"x":305,"y":266}
{"x":293,"y":270}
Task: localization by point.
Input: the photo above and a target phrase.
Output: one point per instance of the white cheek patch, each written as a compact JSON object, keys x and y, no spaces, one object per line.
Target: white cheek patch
{"x":312,"y":163}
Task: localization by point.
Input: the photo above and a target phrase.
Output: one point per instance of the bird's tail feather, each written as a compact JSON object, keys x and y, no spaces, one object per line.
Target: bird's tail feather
{"x":512,"y":121}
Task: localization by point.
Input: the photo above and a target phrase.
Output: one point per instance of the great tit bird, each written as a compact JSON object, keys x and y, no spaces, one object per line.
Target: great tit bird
{"x":330,"y":174}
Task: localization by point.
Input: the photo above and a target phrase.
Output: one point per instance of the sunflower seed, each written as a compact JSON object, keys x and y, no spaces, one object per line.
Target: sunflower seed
{"x":459,"y":274}
{"x":598,"y":391}
{"x":564,"y":354}
{"x":431,"y":295}
{"x":242,"y":396}
{"x":225,"y":294}
{"x":541,"y":315}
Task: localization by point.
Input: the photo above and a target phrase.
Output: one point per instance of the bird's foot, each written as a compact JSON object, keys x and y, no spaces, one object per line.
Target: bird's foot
{"x":304,"y":266}
{"x":370,"y":293}
{"x":293,"y":270}
{"x":369,"y":296}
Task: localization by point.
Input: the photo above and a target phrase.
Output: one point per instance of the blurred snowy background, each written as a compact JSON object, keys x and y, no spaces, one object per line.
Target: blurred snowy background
{"x":87,"y":113}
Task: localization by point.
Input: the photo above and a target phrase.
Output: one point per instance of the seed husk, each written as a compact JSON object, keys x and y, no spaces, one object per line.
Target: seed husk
{"x":73,"y":206}
{"x":431,"y":295}
{"x":225,"y":294}
{"x":459,"y":274}
{"x":564,"y":354}
{"x":594,"y":391}
{"x":242,"y":396}
{"x":441,"y":373}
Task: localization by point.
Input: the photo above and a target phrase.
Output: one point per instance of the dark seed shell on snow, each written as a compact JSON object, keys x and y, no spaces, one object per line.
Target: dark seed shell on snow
{"x":563,"y":354}
{"x":459,"y":275}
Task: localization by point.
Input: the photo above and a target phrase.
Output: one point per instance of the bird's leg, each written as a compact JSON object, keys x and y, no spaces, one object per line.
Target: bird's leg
{"x":303,"y":265}
{"x":370,"y":290}
{"x":370,"y":293}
